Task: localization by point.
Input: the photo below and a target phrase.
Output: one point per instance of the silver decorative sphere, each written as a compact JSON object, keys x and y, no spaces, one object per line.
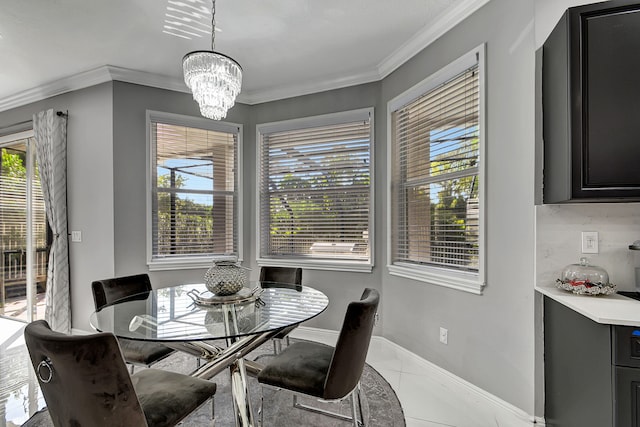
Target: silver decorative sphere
{"x":225,"y":278}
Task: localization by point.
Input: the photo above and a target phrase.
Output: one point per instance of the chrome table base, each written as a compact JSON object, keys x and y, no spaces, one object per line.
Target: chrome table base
{"x":232,"y":357}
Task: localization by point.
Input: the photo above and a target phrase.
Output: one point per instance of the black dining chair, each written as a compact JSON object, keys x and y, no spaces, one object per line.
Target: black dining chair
{"x":107,"y":291}
{"x":289,"y":275}
{"x":325,"y":372}
{"x":85,"y":382}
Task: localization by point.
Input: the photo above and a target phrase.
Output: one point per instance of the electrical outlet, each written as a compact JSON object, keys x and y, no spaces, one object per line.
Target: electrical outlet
{"x":444,"y":335}
{"x":589,"y":242}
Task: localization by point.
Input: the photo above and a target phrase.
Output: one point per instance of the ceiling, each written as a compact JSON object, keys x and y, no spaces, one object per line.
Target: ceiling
{"x":286,"y":47}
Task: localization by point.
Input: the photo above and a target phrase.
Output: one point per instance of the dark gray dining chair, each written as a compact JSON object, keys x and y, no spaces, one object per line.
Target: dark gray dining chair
{"x":85,"y":382}
{"x":289,"y":275}
{"x":325,"y":372}
{"x":108,"y":291}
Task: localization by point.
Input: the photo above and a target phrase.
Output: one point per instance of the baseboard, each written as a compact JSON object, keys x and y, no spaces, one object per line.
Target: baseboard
{"x":517,"y":415}
{"x":539,"y":421}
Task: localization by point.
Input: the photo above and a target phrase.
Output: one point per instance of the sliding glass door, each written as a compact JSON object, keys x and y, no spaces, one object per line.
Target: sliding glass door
{"x":24,"y":233}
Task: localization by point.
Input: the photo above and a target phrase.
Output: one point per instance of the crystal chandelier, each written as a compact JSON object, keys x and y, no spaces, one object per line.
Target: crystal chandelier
{"x":214,"y":79}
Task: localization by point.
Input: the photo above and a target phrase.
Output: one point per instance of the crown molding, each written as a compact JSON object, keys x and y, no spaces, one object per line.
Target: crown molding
{"x":416,"y":44}
{"x":106,"y":73}
{"x":56,"y":87}
{"x":282,"y":92}
{"x":147,"y":79}
{"x":428,"y":35}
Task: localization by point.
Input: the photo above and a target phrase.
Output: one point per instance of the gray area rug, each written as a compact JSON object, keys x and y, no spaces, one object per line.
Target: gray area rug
{"x":381,"y":403}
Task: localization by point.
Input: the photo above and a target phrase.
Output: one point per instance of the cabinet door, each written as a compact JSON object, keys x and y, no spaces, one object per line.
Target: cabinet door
{"x":577,"y":369}
{"x":610,"y":65}
{"x":627,"y":397}
{"x":591,"y":104}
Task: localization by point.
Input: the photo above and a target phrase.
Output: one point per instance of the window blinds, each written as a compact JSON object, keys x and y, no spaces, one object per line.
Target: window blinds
{"x":315,"y":191}
{"x":194,"y":191}
{"x":435,"y":211}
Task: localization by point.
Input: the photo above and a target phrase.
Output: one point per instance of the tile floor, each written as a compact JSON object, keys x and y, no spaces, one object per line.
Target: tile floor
{"x":426,"y":401}
{"x":19,"y":392}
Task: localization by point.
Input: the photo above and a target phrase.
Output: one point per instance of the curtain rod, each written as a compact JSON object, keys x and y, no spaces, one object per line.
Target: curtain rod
{"x":19,"y":125}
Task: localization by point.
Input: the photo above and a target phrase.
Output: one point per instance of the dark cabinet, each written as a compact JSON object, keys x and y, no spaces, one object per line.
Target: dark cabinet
{"x":591,"y":104}
{"x":577,"y":369}
{"x":592,"y":371}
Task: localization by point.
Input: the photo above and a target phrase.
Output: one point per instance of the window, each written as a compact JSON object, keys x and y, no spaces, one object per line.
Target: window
{"x":315,"y":191}
{"x":437,"y":180}
{"x":194,"y":205}
{"x":25,"y":236}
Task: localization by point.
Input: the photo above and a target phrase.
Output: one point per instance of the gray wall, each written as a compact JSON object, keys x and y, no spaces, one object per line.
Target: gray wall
{"x":340,"y":287}
{"x":491,"y":337}
{"x":90,"y":187}
{"x":130,"y":103}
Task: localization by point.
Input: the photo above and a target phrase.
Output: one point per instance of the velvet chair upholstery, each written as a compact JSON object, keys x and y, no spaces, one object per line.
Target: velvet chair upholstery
{"x":85,"y":382}
{"x":290,"y":275}
{"x":281,"y":275}
{"x":108,"y":291}
{"x":325,"y":372}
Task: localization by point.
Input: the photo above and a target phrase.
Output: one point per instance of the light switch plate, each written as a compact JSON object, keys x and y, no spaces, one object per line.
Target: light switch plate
{"x":76,"y":236}
{"x":589,"y":242}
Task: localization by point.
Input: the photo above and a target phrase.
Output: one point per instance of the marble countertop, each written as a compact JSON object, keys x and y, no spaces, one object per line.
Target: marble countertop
{"x":607,"y":309}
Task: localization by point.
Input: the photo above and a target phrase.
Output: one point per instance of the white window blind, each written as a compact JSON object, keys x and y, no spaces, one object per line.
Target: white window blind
{"x":435,"y":180}
{"x":315,"y":188}
{"x":194,"y":196}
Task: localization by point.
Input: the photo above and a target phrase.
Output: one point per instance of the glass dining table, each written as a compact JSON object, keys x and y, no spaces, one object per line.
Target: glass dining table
{"x":190,"y":319}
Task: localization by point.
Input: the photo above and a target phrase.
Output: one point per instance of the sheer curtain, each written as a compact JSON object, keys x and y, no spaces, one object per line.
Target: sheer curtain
{"x":50,"y":129}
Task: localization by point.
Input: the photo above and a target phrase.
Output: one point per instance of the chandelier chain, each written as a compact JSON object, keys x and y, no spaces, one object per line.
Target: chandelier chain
{"x":213,"y":25}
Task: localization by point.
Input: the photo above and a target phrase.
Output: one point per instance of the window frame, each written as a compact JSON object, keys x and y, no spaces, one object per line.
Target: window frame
{"x":310,"y":122}
{"x":472,"y":282}
{"x":189,"y":261}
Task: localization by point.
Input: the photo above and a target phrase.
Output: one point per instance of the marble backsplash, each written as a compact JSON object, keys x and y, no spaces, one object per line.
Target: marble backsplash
{"x":558,"y":240}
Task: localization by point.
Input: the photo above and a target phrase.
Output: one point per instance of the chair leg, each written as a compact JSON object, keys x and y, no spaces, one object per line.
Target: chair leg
{"x":354,"y":410}
{"x":353,"y":418}
{"x":131,"y":368}
{"x":362,"y":396}
{"x":213,"y":411}
{"x":261,"y":408}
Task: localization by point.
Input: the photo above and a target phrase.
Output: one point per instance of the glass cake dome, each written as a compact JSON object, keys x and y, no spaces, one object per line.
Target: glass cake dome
{"x":585,"y":279}
{"x":583,"y":274}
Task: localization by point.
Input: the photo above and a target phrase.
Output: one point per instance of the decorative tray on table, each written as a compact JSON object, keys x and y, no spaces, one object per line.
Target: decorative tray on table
{"x":208,"y":298}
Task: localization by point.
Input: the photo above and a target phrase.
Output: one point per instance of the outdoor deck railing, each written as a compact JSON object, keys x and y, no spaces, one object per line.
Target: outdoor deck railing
{"x":13,"y":277}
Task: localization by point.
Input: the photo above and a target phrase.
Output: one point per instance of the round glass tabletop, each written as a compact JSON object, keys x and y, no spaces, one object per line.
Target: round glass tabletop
{"x":172,"y":314}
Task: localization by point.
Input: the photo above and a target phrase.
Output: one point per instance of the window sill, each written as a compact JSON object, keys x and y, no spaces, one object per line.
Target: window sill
{"x":467,"y":282}
{"x":330,"y":265}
